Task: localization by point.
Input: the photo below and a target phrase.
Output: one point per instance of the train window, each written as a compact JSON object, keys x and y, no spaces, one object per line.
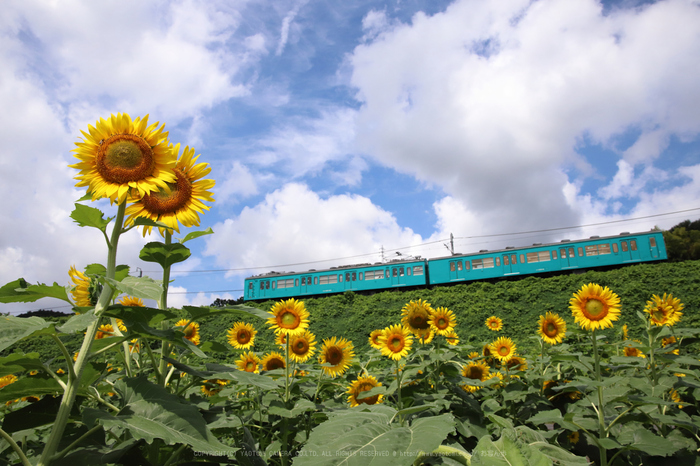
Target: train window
{"x":513,"y":259}
{"x":554,"y":254}
{"x":532,"y":257}
{"x":401,"y":272}
{"x":347,"y":276}
{"x":325,"y":279}
{"x":544,"y":256}
{"x":408,"y":270}
{"x":633,"y":245}
{"x":267,"y":285}
{"x":387,"y":274}
{"x":652,"y":242}
{"x":361,"y":275}
{"x":505,"y":260}
{"x":354,"y":276}
{"x":315,"y":280}
{"x":262,"y":285}
{"x":498,"y":261}
{"x":615,"y":248}
{"x":250,"y":285}
{"x":273,"y":285}
{"x":477,"y":264}
{"x":459,"y":265}
{"x":303,"y":280}
{"x":417,"y":270}
{"x":466,"y":265}
{"x":592,"y":250}
{"x":604,"y":248}
{"x":340,"y":277}
{"x":522,"y":258}
{"x":580,"y":252}
{"x":296,"y":282}
{"x":562,"y":253}
{"x":394,"y":272}
{"x":625,"y":247}
{"x":571,"y":252}
{"x":452,"y":266}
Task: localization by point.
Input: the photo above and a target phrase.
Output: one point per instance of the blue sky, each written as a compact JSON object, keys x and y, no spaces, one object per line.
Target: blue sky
{"x":336,"y":129}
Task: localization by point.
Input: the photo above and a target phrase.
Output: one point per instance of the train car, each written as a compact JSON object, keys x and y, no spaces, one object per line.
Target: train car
{"x":362,"y":277}
{"x":622,"y":249}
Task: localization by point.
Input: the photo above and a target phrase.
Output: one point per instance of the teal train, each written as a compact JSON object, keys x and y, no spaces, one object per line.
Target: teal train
{"x":594,"y":252}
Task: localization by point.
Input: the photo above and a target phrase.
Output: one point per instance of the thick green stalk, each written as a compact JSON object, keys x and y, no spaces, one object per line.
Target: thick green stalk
{"x":601,"y":407}
{"x":166,"y":348}
{"x":74,"y":382}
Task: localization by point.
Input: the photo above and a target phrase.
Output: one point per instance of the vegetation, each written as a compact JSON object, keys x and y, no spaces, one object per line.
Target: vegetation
{"x":683,"y":241}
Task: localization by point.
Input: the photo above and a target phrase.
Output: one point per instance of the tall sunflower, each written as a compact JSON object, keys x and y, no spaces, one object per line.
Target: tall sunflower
{"x":494,"y":323}
{"x":120,"y":154}
{"x":551,"y":328}
{"x":191,"y":331}
{"x":595,"y":307}
{"x":289,"y":317}
{"x":664,"y":310}
{"x":452,"y":338}
{"x":633,"y":352}
{"x":363,"y":384}
{"x":6,"y":380}
{"x":416,"y":317}
{"x":273,"y":360}
{"x":443,"y":321}
{"x":302,"y":347}
{"x":213,"y":386}
{"x":85,"y":291}
{"x":181,"y":200}
{"x":104,"y":331}
{"x":338,"y":353}
{"x":396,"y":341}
{"x":475,"y":371}
{"x":374,"y":339}
{"x":131,"y":301}
{"x":249,"y":362}
{"x":242,"y":335}
{"x":503,"y":348}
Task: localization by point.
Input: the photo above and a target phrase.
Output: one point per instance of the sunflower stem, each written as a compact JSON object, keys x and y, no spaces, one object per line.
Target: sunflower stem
{"x":166,"y":348}
{"x":74,"y":382}
{"x":601,"y":408}
{"x":18,"y":450}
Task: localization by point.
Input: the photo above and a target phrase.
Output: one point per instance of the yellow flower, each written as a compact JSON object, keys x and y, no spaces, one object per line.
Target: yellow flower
{"x":665,"y":310}
{"x":595,"y":307}
{"x":625,"y":334}
{"x":494,"y":323}
{"x":338,"y":352}
{"x":503,"y":348}
{"x":551,"y":328}
{"x":475,"y":371}
{"x":473,"y":355}
{"x":416,"y":317}
{"x":120,"y":154}
{"x":443,"y":321}
{"x":425,"y":339}
{"x":242,"y":335}
{"x":289,"y":317}
{"x":363,"y":384}
{"x":676,"y":397}
{"x":181,"y":200}
{"x":302,"y":347}
{"x":374,"y":339}
{"x":104,"y":331}
{"x":516,"y":363}
{"x":281,"y":339}
{"x":633,"y":352}
{"x":82,"y":287}
{"x":452,"y":338}
{"x":396,"y":342}
{"x":249,"y":362}
{"x":191,"y":331}
{"x":131,"y":301}
{"x":574,"y":437}
{"x":213,"y":386}
{"x":7,"y":380}
{"x":272,"y":361}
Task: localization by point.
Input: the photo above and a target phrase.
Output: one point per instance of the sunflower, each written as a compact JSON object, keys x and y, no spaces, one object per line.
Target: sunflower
{"x":363,"y":384}
{"x":416,"y":316}
{"x":516,"y":363}
{"x":633,"y":352}
{"x":625,"y":332}
{"x":574,"y":437}
{"x":213,"y":386}
{"x":272,"y":361}
{"x":338,"y":352}
{"x":475,"y":371}
{"x":442,"y":321}
{"x":503,"y":348}
{"x":595,"y":307}
{"x":290,"y":317}
{"x":486,"y":351}
{"x":131,"y":301}
{"x":120,"y":154}
{"x":664,"y":310}
{"x":425,"y":339}
{"x":181,"y":200}
{"x":452,"y":338}
{"x":7,"y":380}
{"x":242,"y":335}
{"x":551,"y":328}
{"x":494,"y":323}
{"x":302,"y":347}
{"x":374,"y":339}
{"x":396,"y":342}
{"x":84,"y":290}
{"x":281,"y":339}
{"x":249,"y":362}
{"x":104,"y":331}
{"x":676,"y":397}
{"x":473,"y":355}
{"x":191,"y":331}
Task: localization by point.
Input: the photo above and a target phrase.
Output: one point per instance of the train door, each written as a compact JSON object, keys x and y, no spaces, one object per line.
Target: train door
{"x":305,"y":282}
{"x":456,"y":270}
{"x":567,"y":257}
{"x":397,"y":276}
{"x":250,"y":292}
{"x":509,"y":264}
{"x":653,"y":247}
{"x":628,"y":248}
{"x":264,"y":288}
{"x":350,"y":279}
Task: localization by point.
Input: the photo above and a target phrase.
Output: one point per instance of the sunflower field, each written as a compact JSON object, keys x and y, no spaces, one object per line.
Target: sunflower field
{"x":593,"y":373}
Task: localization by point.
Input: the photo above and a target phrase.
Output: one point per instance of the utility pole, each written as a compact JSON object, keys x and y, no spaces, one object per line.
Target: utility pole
{"x":451,"y":247}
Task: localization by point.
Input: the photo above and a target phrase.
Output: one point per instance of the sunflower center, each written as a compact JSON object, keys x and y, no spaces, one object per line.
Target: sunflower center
{"x":595,"y":309}
{"x":550,"y":329}
{"x":370,"y":400}
{"x":189,"y":331}
{"x":300,"y":347}
{"x":250,"y":366}
{"x":503,"y":350}
{"x":289,"y":320}
{"x":658,"y":314}
{"x":419,"y":321}
{"x":171,"y":200}
{"x":124,"y":157}
{"x":334,"y":356}
{"x":273,"y":364}
{"x":396,"y":344}
{"x":243,"y":336}
{"x":441,"y":323}
{"x":474,"y":373}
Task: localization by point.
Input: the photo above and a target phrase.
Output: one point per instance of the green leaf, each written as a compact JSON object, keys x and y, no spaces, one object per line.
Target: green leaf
{"x":121,"y":272}
{"x":164,"y":254}
{"x":277,"y":408}
{"x":506,"y":452}
{"x":86,"y":216}
{"x":78,"y":322}
{"x":15,"y":329}
{"x":30,"y":386}
{"x":643,"y":440}
{"x":19,"y":291}
{"x":356,"y":437}
{"x":196,"y":234}
{"x":138,"y":287}
{"x":147,"y":222}
{"x":34,"y":415}
{"x":147,"y":316}
{"x":151,"y":412}
{"x":18,"y":362}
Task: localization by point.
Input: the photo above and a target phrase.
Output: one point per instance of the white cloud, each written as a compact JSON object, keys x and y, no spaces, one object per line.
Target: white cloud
{"x":489,"y":99}
{"x":293,"y":224}
{"x":237,"y":184}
